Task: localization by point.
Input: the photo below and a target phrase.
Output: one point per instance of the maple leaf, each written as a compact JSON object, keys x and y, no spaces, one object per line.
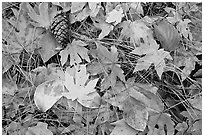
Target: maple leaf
{"x":84,"y":93}
{"x":27,"y":35}
{"x":108,"y":60}
{"x":157,"y":57}
{"x":45,"y":15}
{"x":76,"y":50}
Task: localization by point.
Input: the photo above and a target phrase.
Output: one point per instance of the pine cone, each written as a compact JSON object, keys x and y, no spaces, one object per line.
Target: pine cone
{"x":60,"y":28}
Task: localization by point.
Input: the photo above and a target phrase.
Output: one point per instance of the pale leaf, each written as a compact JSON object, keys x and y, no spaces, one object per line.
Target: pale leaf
{"x":79,"y":90}
{"x":115,"y":16}
{"x":48,"y":93}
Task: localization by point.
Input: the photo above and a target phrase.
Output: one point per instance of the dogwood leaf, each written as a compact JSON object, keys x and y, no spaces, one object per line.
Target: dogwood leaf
{"x":48,"y":93}
{"x":79,"y":90}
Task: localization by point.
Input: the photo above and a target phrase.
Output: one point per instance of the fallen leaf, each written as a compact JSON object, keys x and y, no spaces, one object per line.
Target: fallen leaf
{"x":95,"y":7}
{"x":181,"y":127}
{"x":182,"y":26}
{"x":157,"y":57}
{"x":135,"y":114}
{"x":48,"y":93}
{"x":39,"y":129}
{"x":7,"y":62}
{"x":140,"y":35}
{"x":65,"y":5}
{"x":8,"y":87}
{"x":48,"y":46}
{"x":77,"y":6}
{"x":122,"y":128}
{"x":115,"y":16}
{"x":137,"y":6}
{"x":196,"y":102}
{"x":43,"y":19}
{"x":83,"y":14}
{"x":76,"y":50}
{"x":151,"y":101}
{"x":117,"y":96}
{"x":167,"y":34}
{"x":162,"y":120}
{"x":105,"y":27}
{"x":79,"y":90}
